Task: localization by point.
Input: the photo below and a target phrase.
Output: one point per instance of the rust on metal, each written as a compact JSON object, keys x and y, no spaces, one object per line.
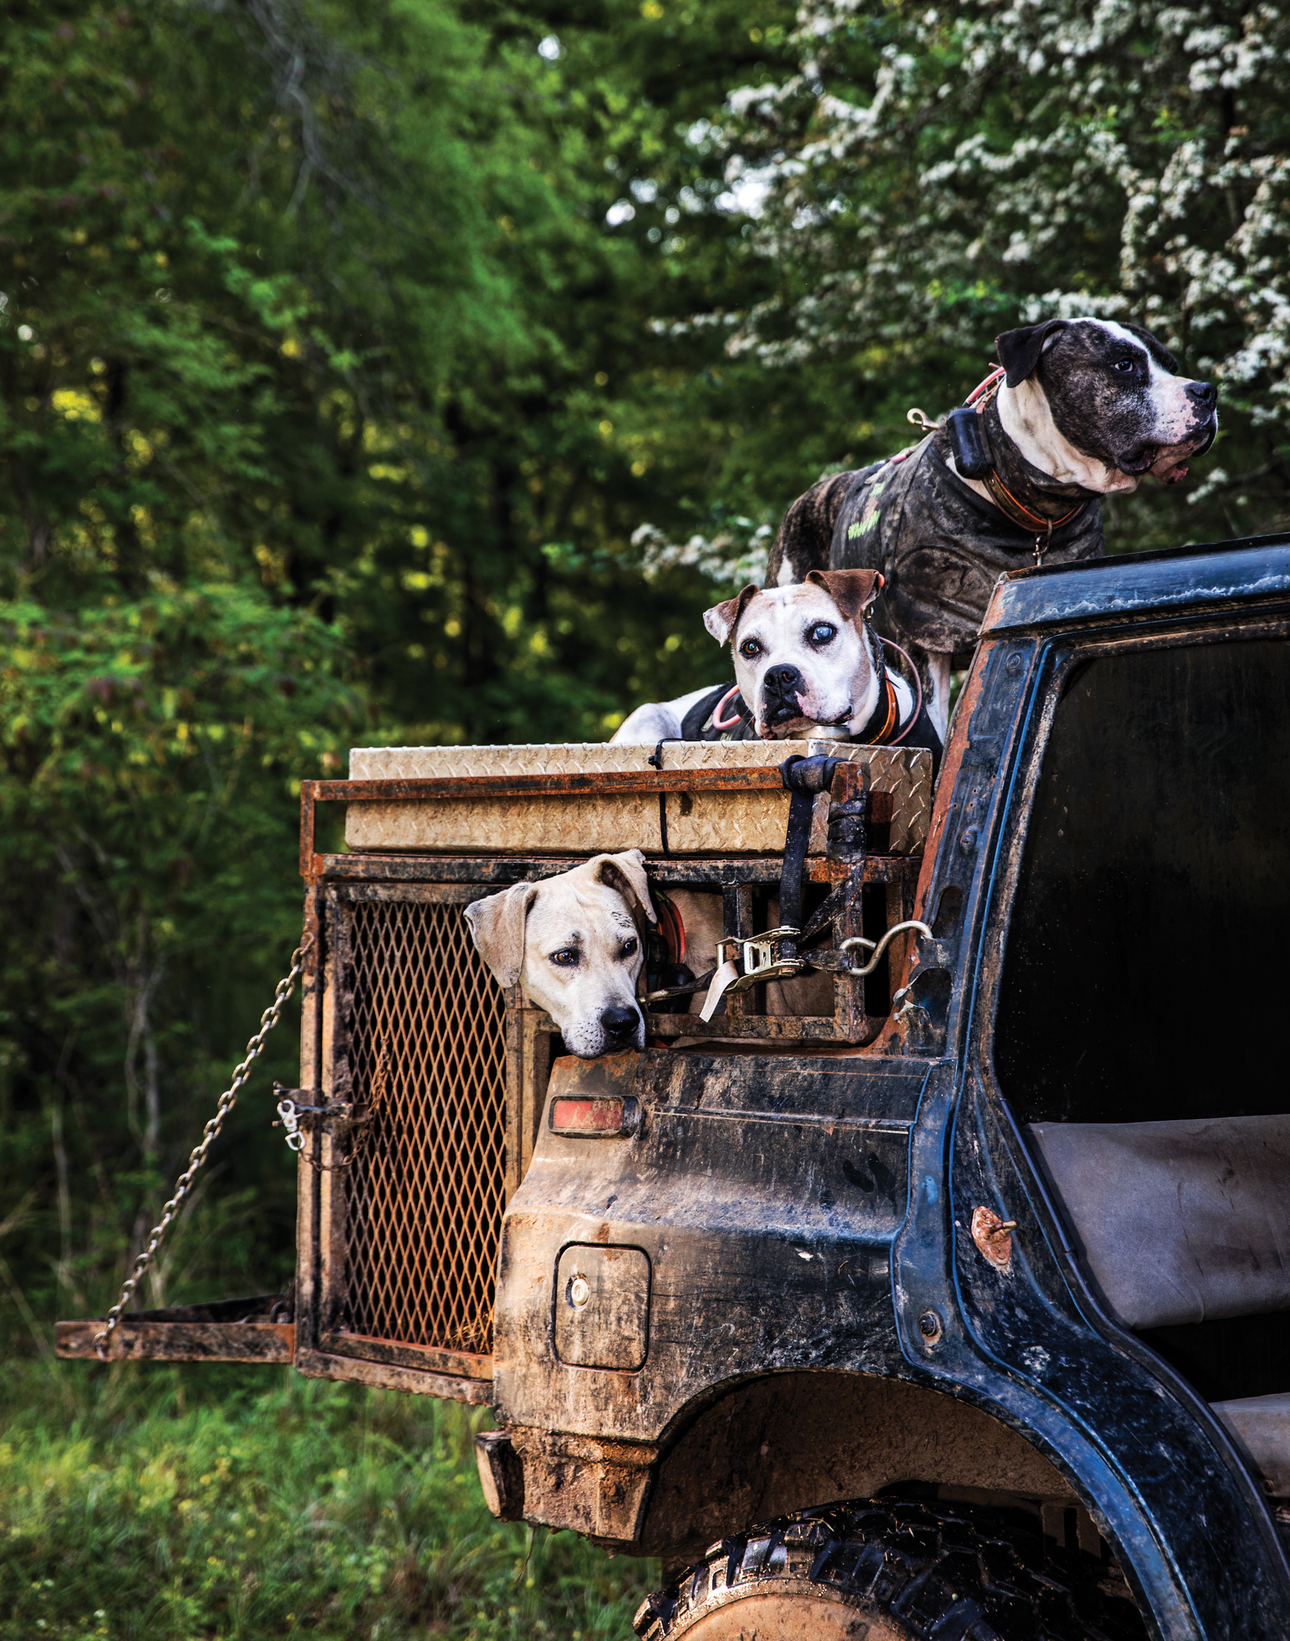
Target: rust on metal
{"x":891,"y":1039}
{"x":499,"y":871}
{"x":316,"y":1364}
{"x":421,"y":1358}
{"x":607,"y":783}
{"x":144,"y":1341}
{"x":587,"y":1485}
{"x":425,"y":1051}
{"x":993,"y":1237}
{"x":955,"y":751}
{"x":850,"y":807}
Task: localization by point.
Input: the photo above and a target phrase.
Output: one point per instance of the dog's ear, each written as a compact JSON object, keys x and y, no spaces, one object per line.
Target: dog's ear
{"x":722,"y":619}
{"x":853,"y":591}
{"x":497,"y":928}
{"x":1019,"y":350}
{"x":625,"y":873}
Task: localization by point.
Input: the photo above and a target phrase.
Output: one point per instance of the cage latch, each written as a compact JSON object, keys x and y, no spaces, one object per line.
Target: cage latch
{"x":297,"y":1118}
{"x":878,"y":947}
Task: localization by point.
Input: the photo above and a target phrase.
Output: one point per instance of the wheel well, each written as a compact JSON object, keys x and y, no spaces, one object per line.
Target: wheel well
{"x":783,"y":1442}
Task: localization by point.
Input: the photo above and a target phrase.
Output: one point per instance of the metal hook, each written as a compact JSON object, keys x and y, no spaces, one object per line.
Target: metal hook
{"x":919,"y":419}
{"x":881,"y":946}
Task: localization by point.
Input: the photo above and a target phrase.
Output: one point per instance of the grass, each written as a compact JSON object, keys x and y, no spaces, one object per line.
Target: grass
{"x":177,"y":1504}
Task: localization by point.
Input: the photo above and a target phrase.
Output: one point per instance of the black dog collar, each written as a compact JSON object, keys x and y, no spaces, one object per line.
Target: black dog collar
{"x":882,"y":725}
{"x":884,"y":721}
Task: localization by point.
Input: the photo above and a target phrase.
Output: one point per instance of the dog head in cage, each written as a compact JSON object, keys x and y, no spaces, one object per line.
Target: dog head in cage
{"x":575,"y":943}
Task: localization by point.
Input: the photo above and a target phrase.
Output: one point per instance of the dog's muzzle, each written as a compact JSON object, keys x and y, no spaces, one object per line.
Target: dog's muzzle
{"x":619,"y":1025}
{"x":1207,"y":434}
{"x":780,"y":688}
{"x":1203,"y":399}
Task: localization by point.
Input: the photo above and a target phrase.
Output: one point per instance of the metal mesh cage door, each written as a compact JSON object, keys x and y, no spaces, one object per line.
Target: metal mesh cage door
{"x":425,"y":1040}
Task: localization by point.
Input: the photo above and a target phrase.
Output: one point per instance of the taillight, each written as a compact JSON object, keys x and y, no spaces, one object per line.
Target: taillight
{"x":597,"y":1119}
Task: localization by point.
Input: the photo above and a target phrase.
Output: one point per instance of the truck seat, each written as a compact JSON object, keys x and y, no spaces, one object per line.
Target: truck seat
{"x":1261,"y":1426}
{"x":1177,"y":1221}
{"x":1186,"y":1222}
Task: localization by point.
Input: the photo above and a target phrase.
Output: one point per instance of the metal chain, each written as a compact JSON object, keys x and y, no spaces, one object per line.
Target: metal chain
{"x":227,"y":1100}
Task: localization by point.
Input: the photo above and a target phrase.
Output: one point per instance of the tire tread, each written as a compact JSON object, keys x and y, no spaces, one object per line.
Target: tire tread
{"x":947,"y":1572}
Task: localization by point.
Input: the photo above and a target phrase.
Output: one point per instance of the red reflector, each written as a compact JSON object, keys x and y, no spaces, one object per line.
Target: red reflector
{"x":604,"y":1116}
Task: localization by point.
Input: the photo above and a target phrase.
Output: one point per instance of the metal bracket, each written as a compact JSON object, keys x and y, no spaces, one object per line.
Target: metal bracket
{"x":763,"y":957}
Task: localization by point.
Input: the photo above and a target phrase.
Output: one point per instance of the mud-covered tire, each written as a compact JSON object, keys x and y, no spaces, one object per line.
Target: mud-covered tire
{"x":894,"y":1569}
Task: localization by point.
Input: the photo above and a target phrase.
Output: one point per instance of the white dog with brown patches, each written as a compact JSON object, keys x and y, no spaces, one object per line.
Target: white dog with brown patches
{"x":575,"y":944}
{"x":807,"y":662}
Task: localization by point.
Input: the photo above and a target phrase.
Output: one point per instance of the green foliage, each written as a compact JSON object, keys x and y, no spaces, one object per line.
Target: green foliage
{"x":176,"y":1503}
{"x":149,"y":752}
{"x":329,"y":409}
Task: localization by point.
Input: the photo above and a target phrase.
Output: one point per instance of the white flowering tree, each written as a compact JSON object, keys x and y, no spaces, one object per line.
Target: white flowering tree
{"x":930,"y":175}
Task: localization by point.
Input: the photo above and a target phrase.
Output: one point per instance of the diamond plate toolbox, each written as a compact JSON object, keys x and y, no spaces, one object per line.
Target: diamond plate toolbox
{"x":675,"y":823}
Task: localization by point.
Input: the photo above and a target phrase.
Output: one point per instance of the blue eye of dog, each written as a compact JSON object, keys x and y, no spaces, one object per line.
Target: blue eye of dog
{"x":629,"y":946}
{"x":750,"y":649}
{"x":822,"y":633}
{"x":1127,"y":363}
{"x":566,"y":957}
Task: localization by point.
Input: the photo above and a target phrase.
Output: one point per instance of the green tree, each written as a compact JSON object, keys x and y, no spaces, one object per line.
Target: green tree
{"x":328,"y":396}
{"x":145,"y":750}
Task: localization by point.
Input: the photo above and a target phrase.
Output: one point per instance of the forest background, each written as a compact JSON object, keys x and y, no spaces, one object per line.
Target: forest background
{"x":407,"y":371}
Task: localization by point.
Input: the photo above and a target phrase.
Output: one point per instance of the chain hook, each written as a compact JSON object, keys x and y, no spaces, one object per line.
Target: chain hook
{"x":225,"y":1103}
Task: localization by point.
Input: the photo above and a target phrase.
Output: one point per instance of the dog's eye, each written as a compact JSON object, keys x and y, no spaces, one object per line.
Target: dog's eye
{"x":823,"y":632}
{"x":566,"y":957}
{"x":629,"y":946}
{"x":750,"y":649}
{"x":1127,"y":363}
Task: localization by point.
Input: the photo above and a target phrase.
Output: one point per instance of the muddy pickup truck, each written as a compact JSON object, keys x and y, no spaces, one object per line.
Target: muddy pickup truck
{"x":961,"y":1312}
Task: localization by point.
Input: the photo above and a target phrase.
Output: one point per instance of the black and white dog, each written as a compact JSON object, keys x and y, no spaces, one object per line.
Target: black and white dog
{"x":1080,"y":408}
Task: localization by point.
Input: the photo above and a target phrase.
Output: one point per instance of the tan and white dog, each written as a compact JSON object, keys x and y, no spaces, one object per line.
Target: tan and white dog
{"x":807,"y":662}
{"x":575,"y":943}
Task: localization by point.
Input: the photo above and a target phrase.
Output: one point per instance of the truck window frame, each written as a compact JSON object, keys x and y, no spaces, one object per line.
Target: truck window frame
{"x":1058,"y":656}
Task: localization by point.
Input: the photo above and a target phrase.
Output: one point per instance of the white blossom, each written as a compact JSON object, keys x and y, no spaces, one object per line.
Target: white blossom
{"x":1141,"y":128}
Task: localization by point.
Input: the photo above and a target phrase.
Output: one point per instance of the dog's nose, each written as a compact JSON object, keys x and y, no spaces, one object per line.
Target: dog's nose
{"x":619,"y":1024}
{"x":1204,"y":395}
{"x":783,"y":681}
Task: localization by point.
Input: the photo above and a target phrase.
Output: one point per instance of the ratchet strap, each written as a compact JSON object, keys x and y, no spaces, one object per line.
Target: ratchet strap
{"x":805,"y":778}
{"x":773,"y":955}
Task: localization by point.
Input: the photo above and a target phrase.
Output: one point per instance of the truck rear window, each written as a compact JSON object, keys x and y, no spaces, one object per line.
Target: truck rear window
{"x":1144,"y":973}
